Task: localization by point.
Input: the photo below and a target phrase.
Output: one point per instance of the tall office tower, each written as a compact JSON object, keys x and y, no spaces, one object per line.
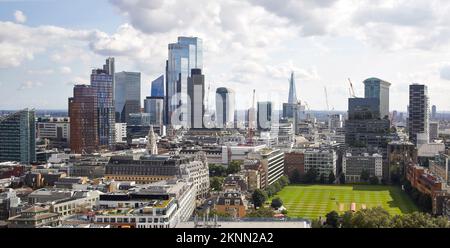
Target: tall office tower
{"x":292,"y":90}
{"x":18,"y":137}
{"x":158,"y":87}
{"x":264,"y":115}
{"x":110,"y":69}
{"x":419,"y":113}
{"x":184,"y":56}
{"x":127,"y":95}
{"x":377,"y":88}
{"x":364,"y":128}
{"x":225,"y":106}
{"x":288,"y":108}
{"x":154,"y":105}
{"x":196,"y":92}
{"x":433,"y":112}
{"x":102,"y":82}
{"x":83,"y":119}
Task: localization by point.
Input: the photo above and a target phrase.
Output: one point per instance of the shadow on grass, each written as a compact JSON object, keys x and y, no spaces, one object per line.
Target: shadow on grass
{"x":399,"y":200}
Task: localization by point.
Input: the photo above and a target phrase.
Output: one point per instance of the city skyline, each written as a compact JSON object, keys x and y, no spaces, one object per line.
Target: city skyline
{"x":320,"y":52}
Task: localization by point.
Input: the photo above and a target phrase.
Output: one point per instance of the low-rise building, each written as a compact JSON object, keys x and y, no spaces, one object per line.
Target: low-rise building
{"x":321,"y":160}
{"x":34,"y":217}
{"x":159,"y":205}
{"x":272,"y":160}
{"x":232,"y":203}
{"x":354,"y":164}
{"x":154,"y":168}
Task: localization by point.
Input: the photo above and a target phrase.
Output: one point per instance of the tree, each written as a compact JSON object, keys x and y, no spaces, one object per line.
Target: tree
{"x":311,"y":176}
{"x":234,"y":167}
{"x":365,"y":175}
{"x":371,"y":218}
{"x":276,"y":203}
{"x":284,"y":181}
{"x":322,"y":178}
{"x":217,"y":171}
{"x":332,"y":219}
{"x":216,"y":183}
{"x":261,"y":213}
{"x":331,"y":178}
{"x":374,"y":180}
{"x":342,"y":178}
{"x":296,"y":177}
{"x":259,"y":197}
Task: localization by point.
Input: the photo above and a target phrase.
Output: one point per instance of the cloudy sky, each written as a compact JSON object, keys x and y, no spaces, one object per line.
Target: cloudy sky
{"x":48,"y":46}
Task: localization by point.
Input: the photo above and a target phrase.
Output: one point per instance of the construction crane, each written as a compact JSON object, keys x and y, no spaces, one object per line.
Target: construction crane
{"x":352,"y":90}
{"x":326,"y":98}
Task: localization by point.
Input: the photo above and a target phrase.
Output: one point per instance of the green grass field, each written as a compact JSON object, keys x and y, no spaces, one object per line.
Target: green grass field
{"x":312,"y":201}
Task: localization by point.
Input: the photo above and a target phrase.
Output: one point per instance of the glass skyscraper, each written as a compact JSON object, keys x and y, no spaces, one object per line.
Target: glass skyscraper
{"x":225,"y":107}
{"x":102,"y":82}
{"x":127,"y":95}
{"x":377,"y":88}
{"x":184,"y":55}
{"x":18,"y":137}
{"x":158,"y":87}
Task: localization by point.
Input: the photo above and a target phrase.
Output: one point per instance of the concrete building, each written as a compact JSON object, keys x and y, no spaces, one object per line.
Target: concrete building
{"x":322,"y":160}
{"x":18,"y":137}
{"x":272,"y":160}
{"x":154,"y":168}
{"x":121,"y":132}
{"x":34,"y":217}
{"x":56,"y":130}
{"x":354,"y":164}
{"x":434,"y":131}
{"x":9,"y":204}
{"x":159,"y":205}
{"x":419,"y":112}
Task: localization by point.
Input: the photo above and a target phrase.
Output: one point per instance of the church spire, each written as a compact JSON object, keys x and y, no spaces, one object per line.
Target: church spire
{"x":152,"y":148}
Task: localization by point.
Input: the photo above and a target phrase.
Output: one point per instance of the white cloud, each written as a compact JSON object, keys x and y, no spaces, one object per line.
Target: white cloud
{"x":65,"y":70}
{"x":20,"y":17}
{"x":29,"y":85}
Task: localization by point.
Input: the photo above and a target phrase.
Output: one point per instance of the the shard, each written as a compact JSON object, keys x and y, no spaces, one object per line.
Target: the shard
{"x":292,"y":90}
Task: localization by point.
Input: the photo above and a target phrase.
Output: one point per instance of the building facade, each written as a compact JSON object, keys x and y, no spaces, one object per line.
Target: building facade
{"x":84,"y":120}
{"x":354,"y":164}
{"x":184,"y":56}
{"x":103,"y":84}
{"x":154,"y":106}
{"x":418,"y":110}
{"x":18,"y":137}
{"x":377,"y":88}
{"x":127,"y":94}
{"x":225,"y":107}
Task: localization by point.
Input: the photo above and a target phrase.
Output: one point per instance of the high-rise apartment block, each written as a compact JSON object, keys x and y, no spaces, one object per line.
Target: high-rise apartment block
{"x":418,"y":110}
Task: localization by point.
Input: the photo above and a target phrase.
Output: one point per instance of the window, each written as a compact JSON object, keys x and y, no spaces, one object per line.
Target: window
{"x":142,"y":220}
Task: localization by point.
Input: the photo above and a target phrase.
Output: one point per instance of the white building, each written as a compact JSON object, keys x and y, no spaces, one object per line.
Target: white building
{"x":354,"y":164}
{"x":159,"y":205}
{"x":121,"y":132}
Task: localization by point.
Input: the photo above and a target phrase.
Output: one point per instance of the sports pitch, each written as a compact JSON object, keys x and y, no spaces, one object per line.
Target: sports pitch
{"x":312,"y":201}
